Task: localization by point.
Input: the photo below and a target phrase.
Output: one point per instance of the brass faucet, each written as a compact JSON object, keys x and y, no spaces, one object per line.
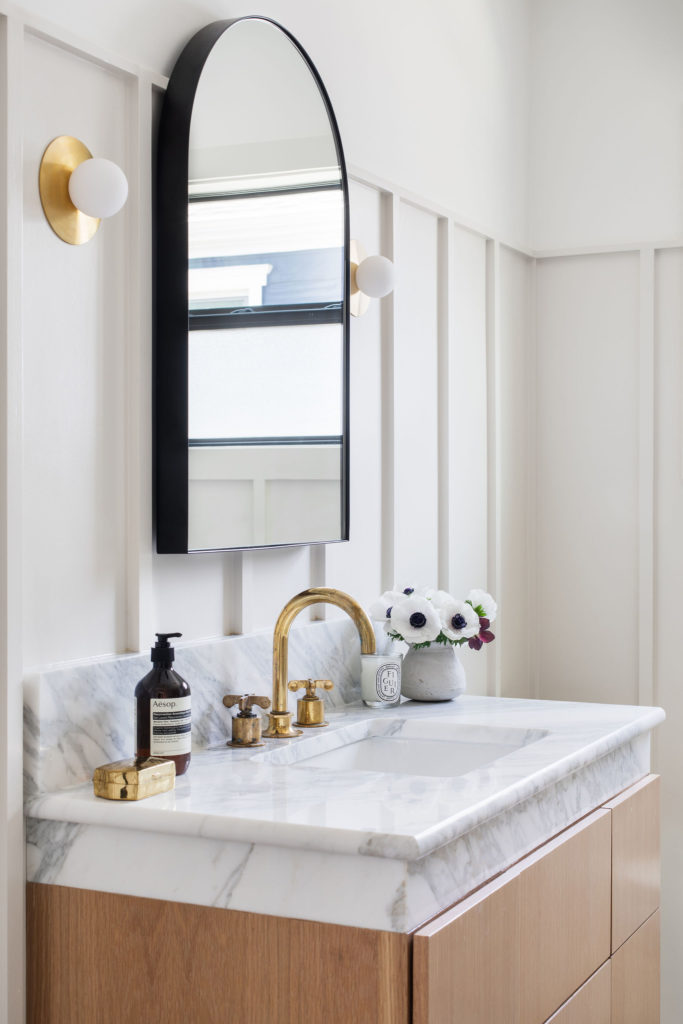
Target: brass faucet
{"x":280,"y":719}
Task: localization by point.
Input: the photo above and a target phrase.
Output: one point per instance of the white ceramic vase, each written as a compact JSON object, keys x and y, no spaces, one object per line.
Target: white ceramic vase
{"x":432,"y":673}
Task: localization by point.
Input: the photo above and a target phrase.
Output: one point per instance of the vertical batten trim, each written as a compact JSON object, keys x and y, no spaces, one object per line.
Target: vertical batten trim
{"x":646,"y":478}
{"x":493,"y":447}
{"x":12,"y":856}
{"x":233,"y":604}
{"x":138,"y":356}
{"x":444,"y":396}
{"x":247,"y":590}
{"x":317,"y":577}
{"x":532,"y":579}
{"x":390,"y":211}
{"x":420,"y":202}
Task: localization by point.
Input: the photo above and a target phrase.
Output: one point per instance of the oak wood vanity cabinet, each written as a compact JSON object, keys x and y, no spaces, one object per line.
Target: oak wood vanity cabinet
{"x":569,"y":935}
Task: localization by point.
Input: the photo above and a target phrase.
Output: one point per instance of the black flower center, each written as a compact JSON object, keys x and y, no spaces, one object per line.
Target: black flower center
{"x":458,"y":621}
{"x":409,"y":590}
{"x":389,"y":611}
{"x":418,"y":620}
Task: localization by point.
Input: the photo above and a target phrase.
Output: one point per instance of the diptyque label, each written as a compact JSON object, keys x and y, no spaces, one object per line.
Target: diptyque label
{"x":386,"y":682}
{"x":170,"y":725}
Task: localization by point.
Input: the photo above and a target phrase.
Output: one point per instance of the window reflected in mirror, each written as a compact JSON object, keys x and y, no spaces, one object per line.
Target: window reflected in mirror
{"x":266,"y":303}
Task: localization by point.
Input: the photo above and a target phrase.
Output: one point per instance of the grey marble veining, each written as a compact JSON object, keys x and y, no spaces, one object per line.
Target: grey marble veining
{"x":77,"y":717}
{"x":259,"y":797}
{"x":377,"y":891}
{"x":243,"y":829}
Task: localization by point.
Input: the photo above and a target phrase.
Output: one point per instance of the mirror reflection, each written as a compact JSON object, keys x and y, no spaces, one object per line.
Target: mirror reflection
{"x":266,"y":279}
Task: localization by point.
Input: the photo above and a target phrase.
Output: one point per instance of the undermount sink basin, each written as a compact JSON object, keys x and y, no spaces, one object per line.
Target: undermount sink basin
{"x":429,"y":746}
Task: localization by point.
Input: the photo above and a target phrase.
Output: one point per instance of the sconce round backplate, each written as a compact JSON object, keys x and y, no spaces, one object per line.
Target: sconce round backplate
{"x":358,"y":301}
{"x":61,"y":157}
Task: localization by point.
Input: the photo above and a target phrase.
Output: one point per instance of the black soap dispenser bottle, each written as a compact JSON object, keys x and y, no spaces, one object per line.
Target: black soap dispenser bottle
{"x":163,"y":710}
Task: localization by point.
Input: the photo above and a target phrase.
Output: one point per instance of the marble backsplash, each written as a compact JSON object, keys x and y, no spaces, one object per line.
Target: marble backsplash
{"x":77,"y":717}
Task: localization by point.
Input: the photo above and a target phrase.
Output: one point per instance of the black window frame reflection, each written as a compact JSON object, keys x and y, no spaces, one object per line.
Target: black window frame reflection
{"x":285,"y":315}
{"x":281,"y":315}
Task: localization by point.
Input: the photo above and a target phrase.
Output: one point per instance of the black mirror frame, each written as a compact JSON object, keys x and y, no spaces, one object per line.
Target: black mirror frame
{"x":170,"y":348}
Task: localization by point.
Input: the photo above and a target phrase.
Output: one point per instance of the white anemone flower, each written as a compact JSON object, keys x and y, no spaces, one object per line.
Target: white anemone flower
{"x":438,"y":597}
{"x":459,"y":621}
{"x":380,"y":609}
{"x":480,"y":599}
{"x":416,"y":620}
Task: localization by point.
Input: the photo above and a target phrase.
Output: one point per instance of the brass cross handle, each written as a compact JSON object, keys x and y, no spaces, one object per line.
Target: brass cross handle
{"x":310,"y":685}
{"x":246,"y":702}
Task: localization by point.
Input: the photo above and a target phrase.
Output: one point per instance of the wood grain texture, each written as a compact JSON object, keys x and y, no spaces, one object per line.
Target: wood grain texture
{"x":112,"y":959}
{"x":565,"y":915}
{"x":591,"y":1004}
{"x":635,"y":977}
{"x":635,"y":857}
{"x":466,"y":962}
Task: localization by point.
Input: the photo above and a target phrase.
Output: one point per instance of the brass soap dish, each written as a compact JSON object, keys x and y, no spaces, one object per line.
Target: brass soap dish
{"x":134,"y":778}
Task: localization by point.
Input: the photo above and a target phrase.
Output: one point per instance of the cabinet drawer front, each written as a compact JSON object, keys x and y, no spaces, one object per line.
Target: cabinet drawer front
{"x":466,"y":962}
{"x":635,"y":977}
{"x":635,"y":858}
{"x":591,"y":1003}
{"x":565,"y":920}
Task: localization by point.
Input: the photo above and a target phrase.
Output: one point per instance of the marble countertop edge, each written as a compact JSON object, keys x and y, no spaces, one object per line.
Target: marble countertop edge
{"x":78,"y":806}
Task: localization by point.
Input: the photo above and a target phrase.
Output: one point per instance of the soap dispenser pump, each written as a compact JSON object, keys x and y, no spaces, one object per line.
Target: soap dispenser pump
{"x":163,"y":709}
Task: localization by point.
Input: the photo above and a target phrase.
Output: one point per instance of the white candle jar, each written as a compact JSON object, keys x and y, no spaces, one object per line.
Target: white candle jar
{"x":380,"y":680}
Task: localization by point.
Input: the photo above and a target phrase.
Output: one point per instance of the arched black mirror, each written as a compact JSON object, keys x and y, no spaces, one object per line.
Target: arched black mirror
{"x":252,"y":283}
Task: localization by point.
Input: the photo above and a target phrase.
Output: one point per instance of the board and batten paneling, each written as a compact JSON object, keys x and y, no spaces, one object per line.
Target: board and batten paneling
{"x":271,"y":576}
{"x":667,"y":622}
{"x":466,"y":492}
{"x":188,"y":594}
{"x":74,"y":352}
{"x":119,"y":588}
{"x":515,"y":513}
{"x":587,"y":477}
{"x":416,"y":523}
{"x":92,"y":583}
{"x":356,"y":567}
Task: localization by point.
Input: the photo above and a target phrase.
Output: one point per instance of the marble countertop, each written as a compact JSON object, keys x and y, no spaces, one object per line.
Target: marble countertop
{"x":237,"y":796}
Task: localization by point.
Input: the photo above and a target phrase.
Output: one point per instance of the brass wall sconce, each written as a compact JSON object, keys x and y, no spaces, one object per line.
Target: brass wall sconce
{"x":372,"y":277}
{"x":78,"y":190}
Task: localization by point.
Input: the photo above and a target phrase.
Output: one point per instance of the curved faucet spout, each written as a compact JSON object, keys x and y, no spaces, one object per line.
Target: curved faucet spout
{"x":280,"y":725}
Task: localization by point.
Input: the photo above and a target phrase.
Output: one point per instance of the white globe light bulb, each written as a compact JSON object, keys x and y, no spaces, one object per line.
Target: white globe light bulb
{"x":98,"y":187}
{"x":375,"y":276}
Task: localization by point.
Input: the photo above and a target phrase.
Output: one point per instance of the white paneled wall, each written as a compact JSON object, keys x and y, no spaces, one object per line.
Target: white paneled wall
{"x":606,"y":165}
{"x":83,"y":579}
{"x":606,"y":150}
{"x":356,"y":566}
{"x":588,"y":399}
{"x":418,"y":405}
{"x":416,"y":478}
{"x":516,"y":422}
{"x":515,"y":519}
{"x":464,"y":492}
{"x":668,"y":575}
{"x":74,"y":366}
{"x":609,"y":511}
{"x":78,"y":359}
